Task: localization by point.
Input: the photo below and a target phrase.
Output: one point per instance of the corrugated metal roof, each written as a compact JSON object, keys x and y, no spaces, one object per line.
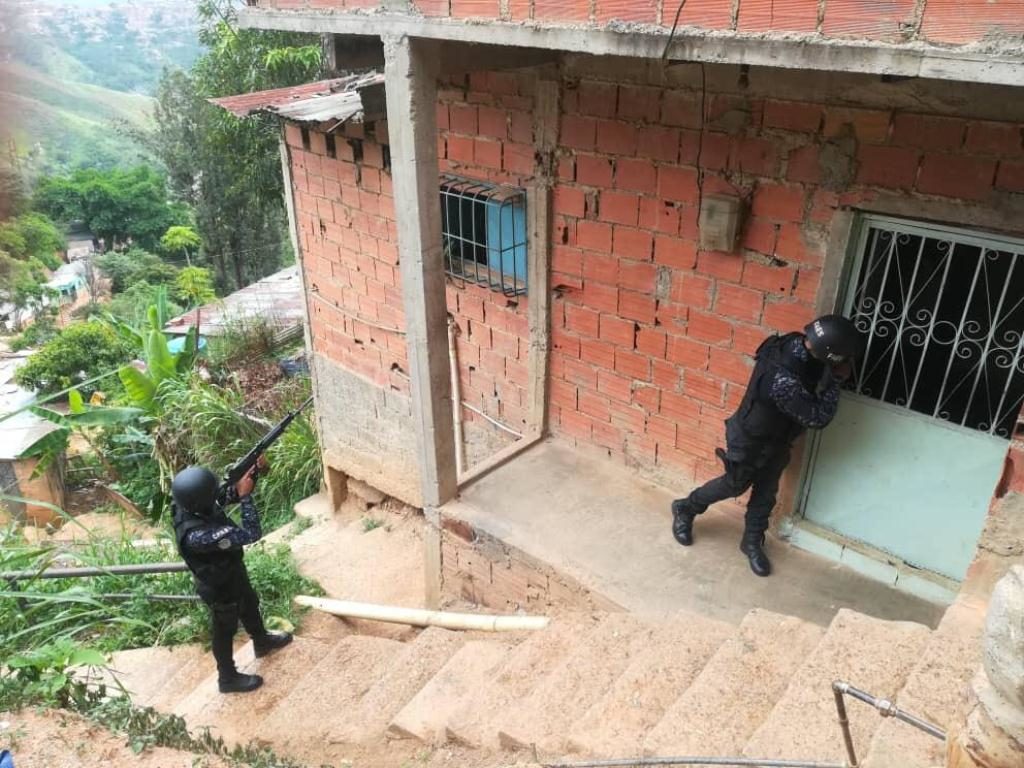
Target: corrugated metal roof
{"x":345,"y":98}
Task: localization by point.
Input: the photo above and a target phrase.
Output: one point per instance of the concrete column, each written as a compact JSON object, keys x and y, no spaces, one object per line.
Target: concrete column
{"x":991,"y":733}
{"x":410,"y":80}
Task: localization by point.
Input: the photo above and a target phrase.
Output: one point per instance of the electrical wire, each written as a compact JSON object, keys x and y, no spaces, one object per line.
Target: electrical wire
{"x":672,"y":33}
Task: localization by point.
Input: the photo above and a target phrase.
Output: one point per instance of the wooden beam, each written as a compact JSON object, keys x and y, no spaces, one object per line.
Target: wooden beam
{"x":546,"y":107}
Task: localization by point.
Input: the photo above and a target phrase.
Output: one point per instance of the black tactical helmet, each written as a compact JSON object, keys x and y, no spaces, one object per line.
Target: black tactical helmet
{"x":833,"y":339}
{"x":195,"y":489}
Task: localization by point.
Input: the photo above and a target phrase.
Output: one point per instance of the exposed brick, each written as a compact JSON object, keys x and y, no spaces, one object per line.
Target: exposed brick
{"x":710,"y":14}
{"x":561,"y":342}
{"x":747,"y":338}
{"x":690,"y":145}
{"x":487,"y":153}
{"x":707,"y":389}
{"x":715,"y":151}
{"x":463,"y":119}
{"x":664,"y":374}
{"x":615,"y":138}
{"x":632,"y":243}
{"x":730,"y":366}
{"x":927,"y":131}
{"x":293,"y":135}
{"x":1011,"y":176}
{"x":563,"y":394}
{"x":658,"y":143}
{"x":807,"y":284}
{"x":569,"y":201}
{"x":755,"y":156}
{"x":476,"y":9}
{"x":597,"y":99}
{"x":581,"y":374}
{"x":614,"y":386}
{"x":687,"y":352}
{"x":578,"y":132}
{"x":783,"y":17}
{"x":651,"y":342}
{"x":594,"y":236}
{"x":604,"y":298}
{"x":620,"y":207}
{"x":775,"y":201}
{"x":787,"y":316}
{"x":617,"y":331}
{"x":768,"y":278}
{"x":561,"y":10}
{"x":968,"y":21}
{"x":648,"y":398}
{"x":968,"y":178}
{"x":887,"y":166}
{"x":709,"y":328}
{"x":792,"y":116}
{"x":608,"y":436}
{"x":802,"y":165}
{"x":636,"y":175}
{"x":521,"y":127}
{"x":639,"y":103}
{"x":873,"y":21}
{"x":691,"y":290}
{"x":582,"y":320}
{"x":638,"y":275}
{"x":725,"y":266}
{"x":679,"y":408}
{"x":599,"y":353}
{"x":628,"y":418}
{"x":519,"y":158}
{"x":675,"y":252}
{"x":638,"y":11}
{"x":678,"y":184}
{"x":601,"y":268}
{"x":681,"y":108}
{"x":740,"y":303}
{"x":493,"y":122}
{"x":593,"y":171}
{"x":460,"y":149}
{"x":594,"y":405}
{"x":633,"y":365}
{"x":637,"y":306}
{"x":659,"y":215}
{"x":867,"y":125}
{"x":1003,"y":139}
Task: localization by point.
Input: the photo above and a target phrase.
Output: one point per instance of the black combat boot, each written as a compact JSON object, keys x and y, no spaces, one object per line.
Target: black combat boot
{"x":683,"y":514}
{"x":236,"y":682}
{"x":270,"y":642}
{"x":752,"y":546}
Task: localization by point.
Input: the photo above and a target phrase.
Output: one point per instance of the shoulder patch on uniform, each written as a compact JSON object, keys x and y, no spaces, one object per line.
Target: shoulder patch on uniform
{"x":220,"y":533}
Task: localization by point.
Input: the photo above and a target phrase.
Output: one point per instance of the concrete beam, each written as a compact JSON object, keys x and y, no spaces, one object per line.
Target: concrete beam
{"x":410,"y":77}
{"x":689,"y":44}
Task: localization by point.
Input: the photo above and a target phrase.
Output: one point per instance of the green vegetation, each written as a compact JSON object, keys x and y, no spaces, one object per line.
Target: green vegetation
{"x":129,"y":268}
{"x":75,"y":354}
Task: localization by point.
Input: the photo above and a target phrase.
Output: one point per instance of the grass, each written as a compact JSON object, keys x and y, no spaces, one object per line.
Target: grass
{"x":371,"y":524}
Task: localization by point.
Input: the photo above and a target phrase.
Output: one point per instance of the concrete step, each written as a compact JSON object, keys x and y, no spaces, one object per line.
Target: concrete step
{"x":236,"y":719}
{"x":872,"y":654}
{"x":737,"y":689}
{"x":197,"y":668}
{"x":142,"y":672}
{"x":656,"y":677}
{"x":545,"y":716}
{"x":326,"y":694}
{"x":526,"y":665}
{"x":933,"y":691}
{"x":413,"y":668}
{"x":425,"y":717}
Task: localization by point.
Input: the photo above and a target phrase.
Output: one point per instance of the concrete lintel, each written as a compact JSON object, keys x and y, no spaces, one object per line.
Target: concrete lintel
{"x":689,"y":44}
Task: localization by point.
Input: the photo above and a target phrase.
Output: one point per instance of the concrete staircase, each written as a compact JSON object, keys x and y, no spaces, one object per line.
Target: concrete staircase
{"x":591,"y":685}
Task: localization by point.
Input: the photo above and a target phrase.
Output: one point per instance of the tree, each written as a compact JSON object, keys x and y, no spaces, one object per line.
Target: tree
{"x":78,"y":353}
{"x":181,"y":240}
{"x":135,"y":265}
{"x":117,"y":205}
{"x":32,"y":236}
{"x":227,"y":168}
{"x":194,"y":286}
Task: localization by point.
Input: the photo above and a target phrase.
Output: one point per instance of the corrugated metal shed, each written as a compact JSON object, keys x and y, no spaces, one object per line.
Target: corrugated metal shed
{"x":356,"y":97}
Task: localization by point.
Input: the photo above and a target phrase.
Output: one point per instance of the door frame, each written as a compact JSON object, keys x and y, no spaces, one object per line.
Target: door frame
{"x":859,"y":555}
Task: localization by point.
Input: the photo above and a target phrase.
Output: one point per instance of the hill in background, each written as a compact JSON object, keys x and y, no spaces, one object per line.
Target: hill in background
{"x":76,"y":76}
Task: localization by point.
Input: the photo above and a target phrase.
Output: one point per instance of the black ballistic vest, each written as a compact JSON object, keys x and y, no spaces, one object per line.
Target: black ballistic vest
{"x":216,"y":573}
{"x":758,"y":426}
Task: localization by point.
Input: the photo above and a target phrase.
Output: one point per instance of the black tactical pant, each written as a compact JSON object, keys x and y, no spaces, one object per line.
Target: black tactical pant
{"x":239,"y":603}
{"x":762,"y":478}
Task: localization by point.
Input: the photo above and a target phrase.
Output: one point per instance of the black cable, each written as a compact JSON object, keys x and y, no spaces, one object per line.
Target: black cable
{"x":672,"y":33}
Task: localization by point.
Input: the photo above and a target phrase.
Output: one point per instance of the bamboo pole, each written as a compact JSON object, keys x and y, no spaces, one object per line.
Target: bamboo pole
{"x":419,"y":617}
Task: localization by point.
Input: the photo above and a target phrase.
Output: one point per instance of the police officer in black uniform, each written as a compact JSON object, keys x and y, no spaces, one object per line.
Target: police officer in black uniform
{"x":211,"y":545}
{"x":794,"y":386}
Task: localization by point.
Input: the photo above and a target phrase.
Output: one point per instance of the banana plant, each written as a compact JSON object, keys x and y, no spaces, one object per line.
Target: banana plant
{"x":161,"y":365}
{"x":79,"y":420}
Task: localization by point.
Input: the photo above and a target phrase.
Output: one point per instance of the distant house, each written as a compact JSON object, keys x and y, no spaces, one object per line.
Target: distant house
{"x":16,"y":434}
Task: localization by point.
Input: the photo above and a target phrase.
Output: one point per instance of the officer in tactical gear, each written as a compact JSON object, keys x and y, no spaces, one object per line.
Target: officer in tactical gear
{"x":794,"y":386}
{"x":212,"y":547}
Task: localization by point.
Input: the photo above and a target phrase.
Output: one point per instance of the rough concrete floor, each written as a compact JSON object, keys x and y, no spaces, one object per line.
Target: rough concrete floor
{"x":611,"y":531}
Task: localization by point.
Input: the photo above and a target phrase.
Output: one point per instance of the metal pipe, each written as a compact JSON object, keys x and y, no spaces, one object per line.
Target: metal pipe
{"x":110,"y":570}
{"x":419,"y":617}
{"x":736,"y":762}
{"x":453,"y":370}
{"x":887,"y":709}
{"x":153,"y":598}
{"x":844,"y":725}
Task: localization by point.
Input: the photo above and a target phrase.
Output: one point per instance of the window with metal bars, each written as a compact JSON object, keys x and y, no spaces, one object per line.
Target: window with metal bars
{"x":483,"y":230}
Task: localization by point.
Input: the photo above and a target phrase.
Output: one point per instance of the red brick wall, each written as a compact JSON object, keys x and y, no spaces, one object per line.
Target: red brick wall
{"x":345,"y":214}
{"x":942,"y":21}
{"x":653,"y":336}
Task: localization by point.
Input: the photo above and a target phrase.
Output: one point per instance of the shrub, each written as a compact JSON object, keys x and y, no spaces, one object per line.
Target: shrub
{"x":134,"y":302}
{"x":76,"y":354}
{"x":41,"y":331}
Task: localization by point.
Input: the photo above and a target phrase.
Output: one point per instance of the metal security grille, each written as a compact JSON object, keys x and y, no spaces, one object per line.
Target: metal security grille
{"x":484,"y":234}
{"x":942,"y":311}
